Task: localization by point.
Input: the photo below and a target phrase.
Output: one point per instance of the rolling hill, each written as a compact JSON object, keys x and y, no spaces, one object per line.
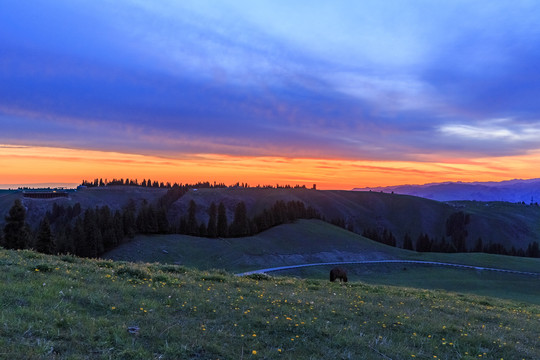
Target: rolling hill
{"x":113,"y":196}
{"x":497,"y":222}
{"x":509,"y":224}
{"x":314,"y":241}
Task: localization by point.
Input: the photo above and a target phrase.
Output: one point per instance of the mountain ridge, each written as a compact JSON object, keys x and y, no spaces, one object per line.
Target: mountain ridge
{"x":515,"y":190}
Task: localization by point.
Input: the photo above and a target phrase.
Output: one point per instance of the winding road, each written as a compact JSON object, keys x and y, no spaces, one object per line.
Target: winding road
{"x":417,"y":262}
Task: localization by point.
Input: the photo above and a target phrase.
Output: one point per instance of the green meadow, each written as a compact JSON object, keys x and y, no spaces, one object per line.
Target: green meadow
{"x":71,"y":308}
{"x":313,"y":241}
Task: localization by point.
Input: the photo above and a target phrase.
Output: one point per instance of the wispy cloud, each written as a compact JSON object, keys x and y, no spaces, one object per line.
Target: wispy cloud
{"x":499,"y":129}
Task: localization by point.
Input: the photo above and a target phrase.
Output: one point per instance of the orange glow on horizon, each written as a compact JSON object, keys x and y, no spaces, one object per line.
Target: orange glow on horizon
{"x":30,"y":164}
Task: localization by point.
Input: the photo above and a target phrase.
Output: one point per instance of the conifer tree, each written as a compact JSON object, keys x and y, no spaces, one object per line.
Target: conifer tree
{"x":93,"y":241}
{"x":64,"y":241}
{"x":106,"y":227}
{"x":222,"y":226}
{"x":423,"y":243}
{"x":45,"y":241}
{"x":162,"y":221}
{"x":211,"y":229}
{"x":118,"y":226}
{"x":533,"y":250}
{"x":192,"y":225}
{"x":78,"y":238}
{"x":129,"y":220}
{"x":456,"y":228}
{"x":479,"y":246}
{"x":16,"y":231}
{"x":407,"y":242}
{"x":240,"y":225}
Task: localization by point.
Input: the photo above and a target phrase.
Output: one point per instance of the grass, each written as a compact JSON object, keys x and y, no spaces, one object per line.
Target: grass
{"x":303,"y":242}
{"x":521,"y":288}
{"x":315,"y":241}
{"x":70,"y":308}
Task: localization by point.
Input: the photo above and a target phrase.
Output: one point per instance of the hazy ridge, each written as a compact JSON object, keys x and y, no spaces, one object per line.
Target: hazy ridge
{"x":516,"y":190}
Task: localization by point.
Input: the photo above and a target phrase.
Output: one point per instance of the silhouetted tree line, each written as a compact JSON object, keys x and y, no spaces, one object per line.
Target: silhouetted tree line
{"x":91,"y":232}
{"x":147,"y":183}
{"x":242,"y":225}
{"x":100,"y":182}
{"x":384,"y":237}
{"x":456,"y":232}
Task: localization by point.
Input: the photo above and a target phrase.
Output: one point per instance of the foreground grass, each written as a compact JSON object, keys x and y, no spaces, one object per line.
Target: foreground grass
{"x":70,"y":308}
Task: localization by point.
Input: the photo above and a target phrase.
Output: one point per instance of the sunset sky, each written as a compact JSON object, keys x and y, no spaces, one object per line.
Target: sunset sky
{"x":343,"y":94}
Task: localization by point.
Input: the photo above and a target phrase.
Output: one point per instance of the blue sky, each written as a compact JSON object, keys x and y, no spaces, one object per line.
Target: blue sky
{"x":357,"y":80}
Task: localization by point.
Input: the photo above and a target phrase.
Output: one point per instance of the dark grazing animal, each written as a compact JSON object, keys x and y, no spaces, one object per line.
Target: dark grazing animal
{"x":338,"y":273}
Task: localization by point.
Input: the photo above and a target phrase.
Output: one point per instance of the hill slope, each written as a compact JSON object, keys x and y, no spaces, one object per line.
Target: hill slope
{"x":65,"y":308}
{"x":313,"y":241}
{"x":303,"y":242}
{"x":113,"y":196}
{"x":508,"y":224}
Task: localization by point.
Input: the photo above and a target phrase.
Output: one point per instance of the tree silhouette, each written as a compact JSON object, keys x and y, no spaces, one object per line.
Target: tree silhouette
{"x":45,"y":241}
{"x":407,"y":242}
{"x":533,"y":250}
{"x":240,"y":225}
{"x":456,"y":228}
{"x":211,"y":228}
{"x":222,"y":226}
{"x":16,"y":231}
{"x":479,"y":246}
{"x":423,"y":243}
{"x":129,"y":220}
{"x":192,"y":225}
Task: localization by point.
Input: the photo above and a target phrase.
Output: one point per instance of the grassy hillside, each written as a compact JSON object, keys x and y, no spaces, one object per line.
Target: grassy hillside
{"x":113,"y":196}
{"x":509,"y":224}
{"x":67,"y":308}
{"x":313,"y":241}
{"x":303,"y":242}
{"x":399,"y":213}
{"x":516,"y":224}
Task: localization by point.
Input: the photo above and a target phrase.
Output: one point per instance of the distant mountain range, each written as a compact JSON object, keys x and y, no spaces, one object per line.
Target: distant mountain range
{"x":511,"y":190}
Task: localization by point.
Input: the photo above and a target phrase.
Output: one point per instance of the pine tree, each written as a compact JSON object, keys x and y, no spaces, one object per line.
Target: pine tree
{"x":78,"y":238}
{"x":407,"y":242}
{"x":93,"y":241}
{"x":211,"y":229}
{"x":222,"y":226}
{"x":423,"y":243}
{"x":240,"y":225}
{"x":456,"y":228}
{"x":129,"y":220}
{"x":162,"y":221}
{"x":192,"y":225}
{"x":16,"y":231}
{"x":64,"y":241}
{"x":45,"y":241}
{"x":479,"y":246}
{"x":118,"y":227}
{"x":106,"y":227}
{"x":533,"y":250}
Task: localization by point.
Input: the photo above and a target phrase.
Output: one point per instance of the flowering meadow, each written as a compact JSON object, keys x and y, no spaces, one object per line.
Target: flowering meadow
{"x":71,"y":308}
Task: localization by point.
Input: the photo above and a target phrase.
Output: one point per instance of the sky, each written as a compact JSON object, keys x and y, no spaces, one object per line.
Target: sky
{"x":341,"y":94}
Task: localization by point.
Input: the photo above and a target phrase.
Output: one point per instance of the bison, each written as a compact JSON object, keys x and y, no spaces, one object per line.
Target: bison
{"x":338,"y":273}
